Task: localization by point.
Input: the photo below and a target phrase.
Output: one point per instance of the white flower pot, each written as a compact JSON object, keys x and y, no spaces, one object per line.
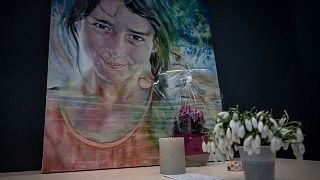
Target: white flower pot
{"x":258,"y":166}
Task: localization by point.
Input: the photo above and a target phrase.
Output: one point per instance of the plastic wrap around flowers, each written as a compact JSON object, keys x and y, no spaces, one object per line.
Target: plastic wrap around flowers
{"x":185,"y":114}
{"x":253,"y":129}
{"x":186,"y":93}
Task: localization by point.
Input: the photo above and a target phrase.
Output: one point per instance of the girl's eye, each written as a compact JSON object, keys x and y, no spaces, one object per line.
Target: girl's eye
{"x":136,"y":38}
{"x":102,"y":26}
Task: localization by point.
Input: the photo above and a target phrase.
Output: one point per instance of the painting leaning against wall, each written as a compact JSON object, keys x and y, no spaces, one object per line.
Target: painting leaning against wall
{"x":118,"y":70}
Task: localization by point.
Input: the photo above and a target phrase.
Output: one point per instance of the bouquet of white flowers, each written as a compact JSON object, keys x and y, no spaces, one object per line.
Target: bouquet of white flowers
{"x":253,"y":129}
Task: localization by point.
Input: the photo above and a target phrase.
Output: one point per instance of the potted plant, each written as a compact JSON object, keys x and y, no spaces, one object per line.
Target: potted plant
{"x":257,"y":133}
{"x":190,"y":125}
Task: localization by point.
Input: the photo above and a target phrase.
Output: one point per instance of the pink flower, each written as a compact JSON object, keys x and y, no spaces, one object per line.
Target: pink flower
{"x":186,"y":112}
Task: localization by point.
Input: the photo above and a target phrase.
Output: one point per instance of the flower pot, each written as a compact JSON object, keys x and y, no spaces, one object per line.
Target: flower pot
{"x":193,"y":149}
{"x":258,"y":166}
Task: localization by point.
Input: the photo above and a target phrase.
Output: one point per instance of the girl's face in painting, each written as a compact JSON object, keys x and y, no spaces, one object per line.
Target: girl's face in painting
{"x":118,"y":42}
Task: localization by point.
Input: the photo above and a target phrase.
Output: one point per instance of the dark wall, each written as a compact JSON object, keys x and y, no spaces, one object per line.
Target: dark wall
{"x":267,"y":56}
{"x":24,"y":55}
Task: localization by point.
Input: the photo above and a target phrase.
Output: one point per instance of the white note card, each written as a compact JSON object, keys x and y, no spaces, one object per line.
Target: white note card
{"x":192,"y":176}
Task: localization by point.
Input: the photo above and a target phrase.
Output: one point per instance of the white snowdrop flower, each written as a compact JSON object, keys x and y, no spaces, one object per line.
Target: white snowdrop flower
{"x":230,"y":141}
{"x":299,"y":157}
{"x":237,"y":140}
{"x":208,"y":148}
{"x":278,"y":143}
{"x":281,"y":121}
{"x":225,"y":141}
{"x":233,"y":136}
{"x":270,"y":135}
{"x":253,"y":145}
{"x":221,"y":143}
{"x":234,"y":131}
{"x":265,"y":132}
{"x":245,"y":148}
{"x":275,"y":125}
{"x":222,"y":158}
{"x":299,"y":135}
{"x":218,"y":157}
{"x":218,"y":154}
{"x":235,"y":116}
{"x":216,"y":141}
{"x":260,"y":126}
{"x":254,"y":123}
{"x":301,"y":148}
{"x":248,"y":125}
{"x":225,"y":115}
{"x":259,"y":113}
{"x":228,"y":157}
{"x":224,"y":150}
{"x":228,"y":134}
{"x":294,"y":148}
{"x":228,"y":147}
{"x":236,"y":148}
{"x":273,"y":145}
{"x":232,"y":123}
{"x":217,"y":128}
{"x":222,"y":132}
{"x":285,"y":145}
{"x":257,"y":140}
{"x":204,"y":146}
{"x":217,"y":135}
{"x":261,"y":118}
{"x":239,"y":124}
{"x":247,"y":141}
{"x":222,"y":113}
{"x":236,"y":128}
{"x":231,"y":152}
{"x":272,"y":120}
{"x":212,"y":147}
{"x":242,"y":131}
{"x":215,"y":158}
{"x":255,"y":148}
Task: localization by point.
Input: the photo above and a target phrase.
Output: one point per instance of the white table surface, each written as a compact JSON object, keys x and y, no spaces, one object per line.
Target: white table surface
{"x":286,"y":169}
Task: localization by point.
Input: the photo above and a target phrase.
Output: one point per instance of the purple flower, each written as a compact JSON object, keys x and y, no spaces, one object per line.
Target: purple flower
{"x":187,"y":112}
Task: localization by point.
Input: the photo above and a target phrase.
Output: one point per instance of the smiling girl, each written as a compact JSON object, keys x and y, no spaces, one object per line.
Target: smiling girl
{"x":96,"y":119}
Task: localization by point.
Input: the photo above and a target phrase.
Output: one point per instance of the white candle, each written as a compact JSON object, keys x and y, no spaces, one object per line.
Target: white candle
{"x":172,"y":157}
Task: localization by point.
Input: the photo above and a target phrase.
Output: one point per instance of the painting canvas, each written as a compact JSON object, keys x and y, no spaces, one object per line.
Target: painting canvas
{"x":118,"y":71}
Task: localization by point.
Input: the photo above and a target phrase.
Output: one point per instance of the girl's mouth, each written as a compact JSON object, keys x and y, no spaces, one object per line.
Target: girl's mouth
{"x":112,"y":65}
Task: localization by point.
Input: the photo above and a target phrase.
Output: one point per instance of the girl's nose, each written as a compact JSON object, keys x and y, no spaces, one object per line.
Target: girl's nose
{"x":117,"y":46}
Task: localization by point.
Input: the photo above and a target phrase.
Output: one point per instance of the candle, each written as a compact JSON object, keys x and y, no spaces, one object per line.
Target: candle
{"x":172,"y":157}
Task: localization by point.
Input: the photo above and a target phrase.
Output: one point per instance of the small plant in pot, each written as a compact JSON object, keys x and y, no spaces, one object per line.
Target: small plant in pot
{"x":255,"y":131}
{"x":190,"y":125}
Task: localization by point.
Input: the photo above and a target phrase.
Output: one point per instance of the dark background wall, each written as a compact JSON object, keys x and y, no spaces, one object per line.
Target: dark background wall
{"x":267,"y":55}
